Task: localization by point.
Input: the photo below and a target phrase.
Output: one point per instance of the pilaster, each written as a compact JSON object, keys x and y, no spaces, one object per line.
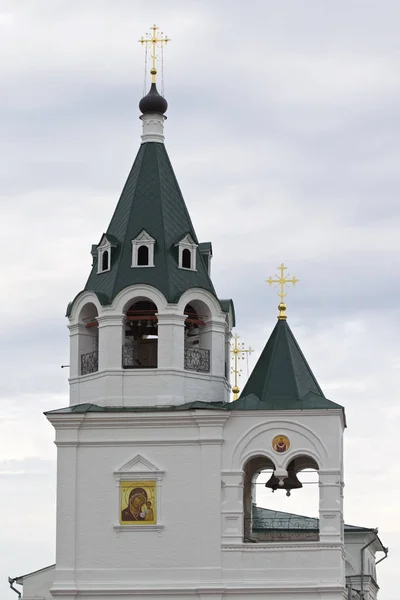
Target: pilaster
{"x":110,"y":341}
{"x":232,"y":507}
{"x":171,"y":341}
{"x":330,"y":502}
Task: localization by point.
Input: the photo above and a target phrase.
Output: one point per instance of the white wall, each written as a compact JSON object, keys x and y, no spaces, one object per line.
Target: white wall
{"x":198,"y":457}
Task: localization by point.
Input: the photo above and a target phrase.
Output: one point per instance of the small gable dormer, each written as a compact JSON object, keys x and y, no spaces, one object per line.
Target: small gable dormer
{"x":143,"y":250}
{"x":187,"y":253}
{"x":104,"y":252}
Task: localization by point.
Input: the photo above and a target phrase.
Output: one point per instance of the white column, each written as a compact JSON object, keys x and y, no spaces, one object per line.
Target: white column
{"x":110,"y":341}
{"x":67,"y":496}
{"x":213,"y":335}
{"x":330,"y":506}
{"x":74,"y":351}
{"x":171,"y":341}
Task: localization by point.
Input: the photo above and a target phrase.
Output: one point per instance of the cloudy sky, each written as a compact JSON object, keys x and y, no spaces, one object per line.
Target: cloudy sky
{"x":283,"y":129}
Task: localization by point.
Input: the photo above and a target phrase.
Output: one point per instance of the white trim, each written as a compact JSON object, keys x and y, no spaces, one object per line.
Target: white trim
{"x":139,"y":527}
{"x":104,"y":246}
{"x":100,"y":254}
{"x":187,"y":243}
{"x":143,"y":239}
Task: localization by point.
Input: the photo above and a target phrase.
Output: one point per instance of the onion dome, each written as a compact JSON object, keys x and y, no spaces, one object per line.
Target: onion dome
{"x":153,"y":102}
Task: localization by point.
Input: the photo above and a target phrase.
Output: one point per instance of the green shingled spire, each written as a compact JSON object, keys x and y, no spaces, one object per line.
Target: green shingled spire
{"x":151,"y":200}
{"x":282,"y":379}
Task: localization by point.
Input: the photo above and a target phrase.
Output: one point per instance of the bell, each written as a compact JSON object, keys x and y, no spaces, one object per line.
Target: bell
{"x":290,"y":483}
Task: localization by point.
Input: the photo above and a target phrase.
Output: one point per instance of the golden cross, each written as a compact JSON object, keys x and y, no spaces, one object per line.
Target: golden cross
{"x":151,"y":38}
{"x":282,"y":281}
{"x":238,"y":353}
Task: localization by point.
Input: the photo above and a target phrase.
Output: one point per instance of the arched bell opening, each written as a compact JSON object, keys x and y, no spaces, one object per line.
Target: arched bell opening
{"x":140,"y":347}
{"x":88,"y":340}
{"x":197,"y":340}
{"x":252,"y":470}
{"x":288,"y":507}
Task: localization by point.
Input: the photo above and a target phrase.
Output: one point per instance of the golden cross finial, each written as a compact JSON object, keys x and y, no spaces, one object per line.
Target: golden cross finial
{"x":151,"y":38}
{"x":238,"y":353}
{"x":282,"y":281}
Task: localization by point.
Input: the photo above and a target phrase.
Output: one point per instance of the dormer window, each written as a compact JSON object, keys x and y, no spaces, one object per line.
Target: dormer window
{"x":143,"y":250}
{"x":187,"y":253}
{"x":104,"y":249}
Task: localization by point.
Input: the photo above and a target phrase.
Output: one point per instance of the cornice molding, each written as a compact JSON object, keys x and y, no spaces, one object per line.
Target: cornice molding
{"x":92,"y":589}
{"x":287,"y":546}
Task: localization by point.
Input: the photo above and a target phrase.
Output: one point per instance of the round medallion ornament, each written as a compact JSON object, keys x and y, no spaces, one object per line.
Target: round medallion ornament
{"x":281,"y":443}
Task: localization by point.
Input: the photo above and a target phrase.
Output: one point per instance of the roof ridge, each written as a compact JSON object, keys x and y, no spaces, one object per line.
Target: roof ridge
{"x":297,"y":346}
{"x":140,"y":156}
{"x":288,"y":332}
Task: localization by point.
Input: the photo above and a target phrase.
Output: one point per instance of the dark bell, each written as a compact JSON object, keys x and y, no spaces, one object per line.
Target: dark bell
{"x":290,"y":483}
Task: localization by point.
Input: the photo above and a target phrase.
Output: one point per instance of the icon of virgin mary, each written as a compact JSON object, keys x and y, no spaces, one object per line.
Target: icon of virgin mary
{"x":134,"y":511}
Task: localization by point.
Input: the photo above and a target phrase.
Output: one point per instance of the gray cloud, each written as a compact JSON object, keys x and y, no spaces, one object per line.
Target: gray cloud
{"x":283,"y":129}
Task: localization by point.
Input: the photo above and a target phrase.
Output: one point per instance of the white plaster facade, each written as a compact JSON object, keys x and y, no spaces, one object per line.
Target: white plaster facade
{"x":197,"y":548}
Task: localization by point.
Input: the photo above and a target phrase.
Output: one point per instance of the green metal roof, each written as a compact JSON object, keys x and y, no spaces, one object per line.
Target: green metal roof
{"x":282,"y":378}
{"x":151,"y":200}
{"x":265,"y":519}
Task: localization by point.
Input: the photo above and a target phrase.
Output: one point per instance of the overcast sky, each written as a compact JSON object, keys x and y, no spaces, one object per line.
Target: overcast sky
{"x":283,"y":129}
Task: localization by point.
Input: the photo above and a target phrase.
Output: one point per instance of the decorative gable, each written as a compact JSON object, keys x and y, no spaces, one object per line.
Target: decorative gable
{"x":139,"y":468}
{"x":143,"y":250}
{"x":104,"y":248}
{"x":187,"y":253}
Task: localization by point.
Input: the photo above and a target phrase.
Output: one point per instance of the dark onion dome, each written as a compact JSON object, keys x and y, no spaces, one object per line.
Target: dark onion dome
{"x":153,"y":102}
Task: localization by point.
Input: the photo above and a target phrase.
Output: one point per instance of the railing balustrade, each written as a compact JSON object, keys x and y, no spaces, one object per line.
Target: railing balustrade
{"x":197,"y":359}
{"x":89,"y":362}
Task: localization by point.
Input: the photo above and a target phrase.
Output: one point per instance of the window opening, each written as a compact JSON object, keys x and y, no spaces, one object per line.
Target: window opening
{"x":186,"y":258}
{"x":141,"y":336}
{"x":105,"y":261}
{"x":281,"y":513}
{"x":143,"y":256}
{"x":89,"y":340}
{"x":197,"y":355}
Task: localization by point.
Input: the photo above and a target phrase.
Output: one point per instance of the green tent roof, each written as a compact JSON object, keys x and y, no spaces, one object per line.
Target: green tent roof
{"x":282,"y":378}
{"x":151,"y":200}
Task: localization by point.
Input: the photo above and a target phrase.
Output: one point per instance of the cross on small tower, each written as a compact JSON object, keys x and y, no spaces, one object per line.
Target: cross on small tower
{"x":282,"y":281}
{"x":151,"y":38}
{"x":238,"y":353}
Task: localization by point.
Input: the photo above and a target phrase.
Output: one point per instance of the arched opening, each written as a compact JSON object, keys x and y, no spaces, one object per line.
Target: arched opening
{"x":186,"y":258}
{"x":197,"y":342}
{"x":141,"y":336}
{"x":88,"y":340}
{"x":143,"y":256}
{"x":284,"y":513}
{"x":105,"y":260}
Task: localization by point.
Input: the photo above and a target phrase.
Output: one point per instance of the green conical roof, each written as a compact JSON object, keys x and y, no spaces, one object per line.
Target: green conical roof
{"x":282,"y":378}
{"x":152,"y":201}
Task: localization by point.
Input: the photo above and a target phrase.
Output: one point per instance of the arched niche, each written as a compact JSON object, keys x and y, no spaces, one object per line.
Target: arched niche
{"x":88,"y":339}
{"x":252,"y":469}
{"x":140,"y":345}
{"x":272,"y":511}
{"x":197,"y":340}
